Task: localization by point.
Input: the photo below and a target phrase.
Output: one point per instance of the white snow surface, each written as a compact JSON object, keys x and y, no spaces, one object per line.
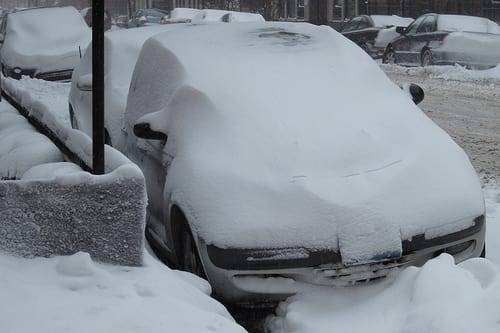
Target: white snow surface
{"x":467,"y":23}
{"x":22,"y":147}
{"x":73,"y":294}
{"x":45,"y":39}
{"x":391,"y":20}
{"x":275,"y":151}
{"x":385,"y":36}
{"x":440,"y":297}
{"x":183,"y":13}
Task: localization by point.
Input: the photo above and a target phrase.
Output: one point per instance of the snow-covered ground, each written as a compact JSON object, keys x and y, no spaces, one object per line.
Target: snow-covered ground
{"x":74,"y":294}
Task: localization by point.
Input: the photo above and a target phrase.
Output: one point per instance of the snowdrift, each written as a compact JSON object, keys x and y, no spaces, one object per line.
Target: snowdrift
{"x":440,"y":297}
{"x":56,"y":208}
{"x":74,"y":294}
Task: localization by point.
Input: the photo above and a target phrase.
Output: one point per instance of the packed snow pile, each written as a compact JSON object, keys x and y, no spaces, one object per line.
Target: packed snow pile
{"x":450,"y":73}
{"x":73,"y":294}
{"x":440,"y":297}
{"x":45,"y":39}
{"x":22,"y":147}
{"x":240,"y":134}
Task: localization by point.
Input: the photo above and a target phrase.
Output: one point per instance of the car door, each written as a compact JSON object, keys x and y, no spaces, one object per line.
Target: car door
{"x":153,"y":160}
{"x":426,"y":32}
{"x":402,"y":46}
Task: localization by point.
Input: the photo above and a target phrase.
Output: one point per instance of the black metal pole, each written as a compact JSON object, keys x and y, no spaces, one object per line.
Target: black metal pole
{"x":98,"y":86}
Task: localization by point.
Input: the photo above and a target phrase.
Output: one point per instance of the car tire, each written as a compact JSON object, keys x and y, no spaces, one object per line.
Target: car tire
{"x":427,"y":59}
{"x":189,"y":260}
{"x":389,"y":56}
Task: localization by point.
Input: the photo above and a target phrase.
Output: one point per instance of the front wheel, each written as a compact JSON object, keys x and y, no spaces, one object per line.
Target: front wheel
{"x":190,"y":260}
{"x":389,"y":57}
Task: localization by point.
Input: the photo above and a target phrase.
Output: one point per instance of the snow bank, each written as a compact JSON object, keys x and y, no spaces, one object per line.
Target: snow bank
{"x":258,"y":165}
{"x":440,"y":297}
{"x":450,"y":73}
{"x":21,"y":146}
{"x":74,"y":294}
{"x":57,"y":209}
{"x":45,"y":39}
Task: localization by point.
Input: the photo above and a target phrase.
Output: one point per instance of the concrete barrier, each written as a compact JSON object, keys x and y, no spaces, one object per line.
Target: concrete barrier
{"x":70,"y":212}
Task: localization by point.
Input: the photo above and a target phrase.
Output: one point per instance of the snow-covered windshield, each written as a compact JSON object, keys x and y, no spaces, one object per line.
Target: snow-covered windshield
{"x":393,"y":20}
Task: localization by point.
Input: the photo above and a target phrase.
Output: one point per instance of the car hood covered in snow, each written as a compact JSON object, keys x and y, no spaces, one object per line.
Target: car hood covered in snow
{"x":45,"y":39}
{"x":288,"y":135}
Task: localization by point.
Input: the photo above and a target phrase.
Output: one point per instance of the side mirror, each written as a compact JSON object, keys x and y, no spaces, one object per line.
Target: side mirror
{"x":144,"y":131}
{"x":84,"y":82}
{"x":415,"y":91}
{"x":143,"y":20}
{"x":401,"y":30}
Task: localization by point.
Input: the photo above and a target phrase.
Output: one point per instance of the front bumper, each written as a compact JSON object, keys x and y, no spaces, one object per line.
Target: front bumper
{"x":238,"y":278}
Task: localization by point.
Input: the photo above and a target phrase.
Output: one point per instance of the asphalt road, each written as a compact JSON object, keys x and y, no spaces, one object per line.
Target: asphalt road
{"x":468,"y":111}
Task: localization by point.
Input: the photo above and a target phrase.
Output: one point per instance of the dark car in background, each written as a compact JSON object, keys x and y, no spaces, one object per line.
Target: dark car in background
{"x":87,"y":16}
{"x":373,"y":33}
{"x":146,"y":17}
{"x":435,"y":39}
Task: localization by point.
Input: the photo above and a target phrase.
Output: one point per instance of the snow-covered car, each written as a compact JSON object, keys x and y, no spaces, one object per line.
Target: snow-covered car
{"x":122,"y":48}
{"x":44,"y":43}
{"x":434,"y":39}
{"x":263,"y":168}
{"x":144,"y":17}
{"x":373,"y":32}
{"x":186,"y":15}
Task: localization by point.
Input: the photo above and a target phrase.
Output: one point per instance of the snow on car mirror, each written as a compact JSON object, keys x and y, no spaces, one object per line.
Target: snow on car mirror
{"x":84,"y":82}
{"x":416,"y":92}
{"x":144,"y":131}
{"x":143,"y":20}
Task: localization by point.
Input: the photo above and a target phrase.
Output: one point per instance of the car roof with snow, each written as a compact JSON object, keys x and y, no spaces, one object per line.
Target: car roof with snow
{"x":281,"y":130}
{"x":467,"y":24}
{"x":391,"y":20}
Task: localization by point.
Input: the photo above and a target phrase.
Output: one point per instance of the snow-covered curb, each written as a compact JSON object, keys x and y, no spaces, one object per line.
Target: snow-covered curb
{"x":73,"y":294}
{"x":56,"y":209}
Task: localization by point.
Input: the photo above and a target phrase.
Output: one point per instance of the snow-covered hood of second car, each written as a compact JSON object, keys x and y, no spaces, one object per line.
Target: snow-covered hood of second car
{"x":300,"y":139}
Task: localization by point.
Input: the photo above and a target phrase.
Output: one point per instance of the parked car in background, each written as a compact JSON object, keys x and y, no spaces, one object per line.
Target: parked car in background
{"x":44,"y":43}
{"x":146,"y":17}
{"x":186,"y":15}
{"x":435,"y":39}
{"x":251,"y":192}
{"x":373,"y":32}
{"x":121,"y":21}
{"x":87,"y":16}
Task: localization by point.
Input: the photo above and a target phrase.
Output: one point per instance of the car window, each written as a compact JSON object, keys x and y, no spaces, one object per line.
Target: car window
{"x":364,"y":24}
{"x":428,"y":25}
{"x":352,"y":24}
{"x":412,"y":29}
